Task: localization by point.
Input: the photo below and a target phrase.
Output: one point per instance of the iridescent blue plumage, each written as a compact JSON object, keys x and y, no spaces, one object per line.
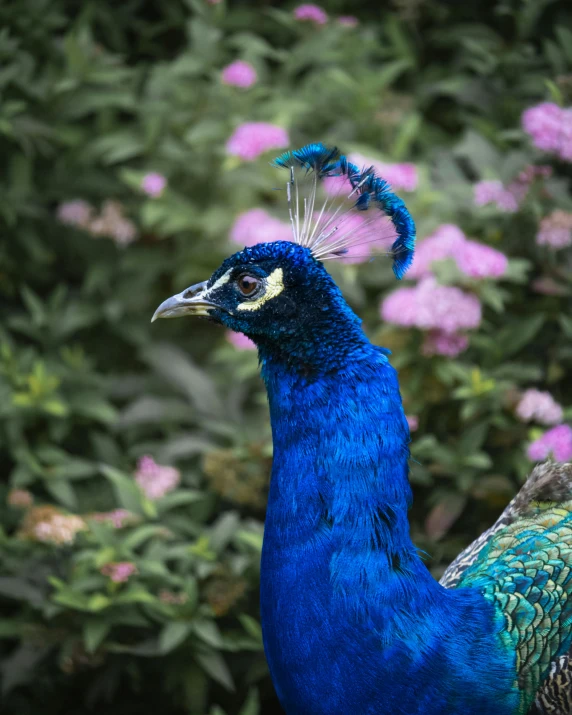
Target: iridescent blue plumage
{"x":352,"y":620}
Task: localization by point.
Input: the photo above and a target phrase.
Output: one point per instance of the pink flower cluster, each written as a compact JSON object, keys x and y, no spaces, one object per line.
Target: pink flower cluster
{"x":509,"y":198}
{"x":540,"y":407}
{"x":365,"y":234}
{"x":240,"y":340}
{"x":311,"y":13}
{"x":495,"y":192}
{"x":413,"y":422}
{"x":550,"y":128}
{"x":430,"y":306}
{"x":555,"y":230}
{"x":110,"y":222}
{"x":119,"y":571}
{"x":155,"y":479}
{"x":401,"y":177}
{"x":75,"y":213}
{"x":348,"y":21}
{"x":438,"y":342}
{"x":239,"y":74}
{"x":252,"y":139}
{"x":258,"y":226}
{"x":20,"y":498}
{"x":474,"y":259}
{"x":59,"y":529}
{"x":153,"y":184}
{"x":118,"y":518}
{"x":556,"y":442}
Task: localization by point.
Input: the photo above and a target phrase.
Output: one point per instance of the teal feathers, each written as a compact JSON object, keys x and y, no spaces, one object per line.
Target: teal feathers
{"x":524,"y":568}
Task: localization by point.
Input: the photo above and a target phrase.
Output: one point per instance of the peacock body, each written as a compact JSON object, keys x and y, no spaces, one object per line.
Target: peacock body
{"x":352,"y":620}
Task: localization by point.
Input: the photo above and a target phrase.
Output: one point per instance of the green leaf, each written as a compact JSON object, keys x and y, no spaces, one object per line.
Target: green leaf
{"x":181,"y":497}
{"x":62,"y":492}
{"x":142,"y":534}
{"x":172,"y":635}
{"x":251,"y":626}
{"x":251,"y":539}
{"x":215,"y":666}
{"x":20,"y":589}
{"x":208,"y":632}
{"x":135,"y":594}
{"x":252,"y":704}
{"x":94,"y":633}
{"x":176,"y":367}
{"x":518,"y":333}
{"x":127,"y":491}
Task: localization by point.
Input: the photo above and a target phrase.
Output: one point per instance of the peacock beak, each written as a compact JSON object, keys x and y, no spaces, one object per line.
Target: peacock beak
{"x":191,"y":301}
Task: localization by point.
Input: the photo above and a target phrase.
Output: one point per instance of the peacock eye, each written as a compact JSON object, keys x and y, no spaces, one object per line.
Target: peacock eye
{"x":247,"y":285}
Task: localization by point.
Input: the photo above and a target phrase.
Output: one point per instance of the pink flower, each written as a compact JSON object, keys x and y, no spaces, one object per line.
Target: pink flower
{"x":531,"y":172}
{"x":540,"y":407}
{"x":413,"y":422}
{"x":437,"y":342}
{"x":443,"y":243}
{"x":240,"y":341}
{"x":545,"y":285}
{"x":153,"y":184}
{"x":311,"y":13}
{"x":20,"y":498}
{"x":430,"y":306}
{"x":400,"y":176}
{"x":555,"y":230}
{"x":400,"y":307}
{"x":336,"y":185}
{"x":546,"y":124}
{"x":473,"y":259}
{"x":119,"y":571}
{"x":348,"y":21}
{"x":118,"y":518}
{"x":550,"y":128}
{"x":252,"y":139}
{"x":258,"y":226}
{"x":239,"y":74}
{"x":172,"y":599}
{"x":111,"y":222}
{"x":155,"y":479}
{"x":59,"y":529}
{"x":75,"y":213}
{"x":480,"y":261}
{"x":557,"y":441}
{"x":364,"y":234}
{"x":494,"y":192}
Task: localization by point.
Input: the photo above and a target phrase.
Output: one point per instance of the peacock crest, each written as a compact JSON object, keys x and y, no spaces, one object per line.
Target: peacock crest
{"x":359,"y":207}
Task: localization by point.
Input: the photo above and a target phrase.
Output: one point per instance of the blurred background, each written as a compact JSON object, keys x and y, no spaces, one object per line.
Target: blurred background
{"x":135,"y":140}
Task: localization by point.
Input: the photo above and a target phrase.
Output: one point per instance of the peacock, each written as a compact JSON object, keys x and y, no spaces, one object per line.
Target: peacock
{"x":353,"y":622}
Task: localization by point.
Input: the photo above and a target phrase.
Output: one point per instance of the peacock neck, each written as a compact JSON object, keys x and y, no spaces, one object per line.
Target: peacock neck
{"x":344,"y":593}
{"x":340,"y":488}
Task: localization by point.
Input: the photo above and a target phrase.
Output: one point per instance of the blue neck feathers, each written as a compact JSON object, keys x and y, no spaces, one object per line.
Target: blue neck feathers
{"x":344,"y":593}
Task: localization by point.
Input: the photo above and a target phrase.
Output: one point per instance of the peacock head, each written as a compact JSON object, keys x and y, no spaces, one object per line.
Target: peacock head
{"x":279,"y":293}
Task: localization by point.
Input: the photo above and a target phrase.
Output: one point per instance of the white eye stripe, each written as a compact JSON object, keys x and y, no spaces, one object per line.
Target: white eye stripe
{"x":218,"y":283}
{"x":274,"y":285}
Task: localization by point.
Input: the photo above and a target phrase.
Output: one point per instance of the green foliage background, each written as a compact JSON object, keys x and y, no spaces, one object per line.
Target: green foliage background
{"x":95,"y":94}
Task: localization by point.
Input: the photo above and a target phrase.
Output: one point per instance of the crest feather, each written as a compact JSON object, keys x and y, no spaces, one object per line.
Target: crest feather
{"x":342,"y":224}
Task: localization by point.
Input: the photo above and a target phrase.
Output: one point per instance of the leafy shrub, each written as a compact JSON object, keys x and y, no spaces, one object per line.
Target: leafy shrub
{"x":121,"y":187}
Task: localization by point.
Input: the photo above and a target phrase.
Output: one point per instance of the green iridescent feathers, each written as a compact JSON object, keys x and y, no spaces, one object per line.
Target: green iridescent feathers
{"x":525,"y":570}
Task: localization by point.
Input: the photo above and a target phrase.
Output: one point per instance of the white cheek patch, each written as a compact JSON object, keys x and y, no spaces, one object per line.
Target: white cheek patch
{"x":274,"y":285}
{"x":217,"y":284}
